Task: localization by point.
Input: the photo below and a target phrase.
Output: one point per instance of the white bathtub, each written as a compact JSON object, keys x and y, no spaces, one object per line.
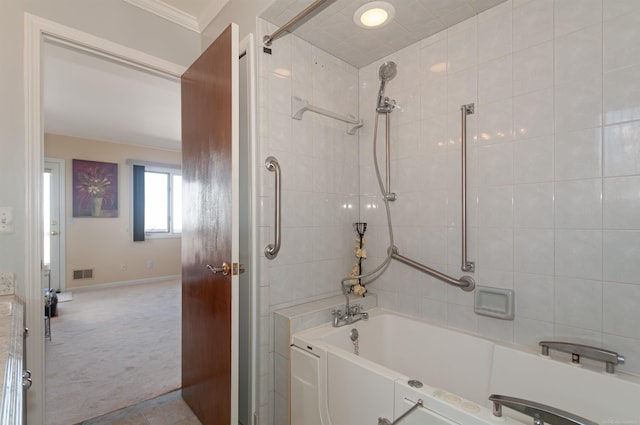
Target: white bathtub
{"x":330,"y":385}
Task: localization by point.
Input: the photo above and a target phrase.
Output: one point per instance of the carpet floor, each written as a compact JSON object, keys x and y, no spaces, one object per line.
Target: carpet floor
{"x":112,"y":348}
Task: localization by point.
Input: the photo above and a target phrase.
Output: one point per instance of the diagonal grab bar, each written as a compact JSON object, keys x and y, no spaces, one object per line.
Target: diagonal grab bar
{"x":385,"y":421}
{"x":271,"y":251}
{"x":540,"y":413}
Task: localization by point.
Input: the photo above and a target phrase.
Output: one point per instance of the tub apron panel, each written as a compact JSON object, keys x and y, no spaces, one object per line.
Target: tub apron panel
{"x":356,"y":394}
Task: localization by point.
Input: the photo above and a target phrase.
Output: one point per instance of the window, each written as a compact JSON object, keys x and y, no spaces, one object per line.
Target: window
{"x":157,"y":205}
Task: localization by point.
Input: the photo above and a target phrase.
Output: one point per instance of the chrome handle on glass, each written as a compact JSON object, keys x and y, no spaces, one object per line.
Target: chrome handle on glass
{"x":467,"y":266}
{"x":271,"y":251}
{"x":225,"y":269}
{"x":26,"y":380}
{"x":539,"y":412}
{"x":54,"y":233}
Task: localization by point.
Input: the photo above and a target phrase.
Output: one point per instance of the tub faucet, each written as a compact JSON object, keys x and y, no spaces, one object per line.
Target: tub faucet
{"x":351,"y":314}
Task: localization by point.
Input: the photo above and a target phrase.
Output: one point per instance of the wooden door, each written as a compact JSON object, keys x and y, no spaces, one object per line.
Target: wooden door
{"x":210,"y":232}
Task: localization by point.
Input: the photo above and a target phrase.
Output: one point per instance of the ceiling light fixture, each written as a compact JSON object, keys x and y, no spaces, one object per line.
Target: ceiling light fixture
{"x":374,"y":15}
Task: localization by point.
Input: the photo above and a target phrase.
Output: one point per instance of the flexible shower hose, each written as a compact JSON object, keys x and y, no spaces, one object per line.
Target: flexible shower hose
{"x":386,"y":205}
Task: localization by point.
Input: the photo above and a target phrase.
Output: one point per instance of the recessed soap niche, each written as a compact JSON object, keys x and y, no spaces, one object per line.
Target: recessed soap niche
{"x":494,"y":302}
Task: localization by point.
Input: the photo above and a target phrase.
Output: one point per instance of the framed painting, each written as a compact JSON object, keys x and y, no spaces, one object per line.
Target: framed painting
{"x":95,"y":189}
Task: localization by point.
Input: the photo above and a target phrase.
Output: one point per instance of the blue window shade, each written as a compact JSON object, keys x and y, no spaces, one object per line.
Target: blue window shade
{"x":138,"y":203}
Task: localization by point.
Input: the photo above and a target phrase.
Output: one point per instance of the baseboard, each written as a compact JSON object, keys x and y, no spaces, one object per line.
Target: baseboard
{"x":125,"y":283}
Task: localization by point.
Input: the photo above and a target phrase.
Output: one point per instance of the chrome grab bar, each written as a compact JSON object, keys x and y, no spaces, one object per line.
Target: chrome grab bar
{"x":385,"y":421}
{"x":540,"y":413}
{"x":467,"y":266}
{"x":611,"y":358}
{"x":466,"y":283}
{"x":293,"y":21}
{"x":271,"y":250}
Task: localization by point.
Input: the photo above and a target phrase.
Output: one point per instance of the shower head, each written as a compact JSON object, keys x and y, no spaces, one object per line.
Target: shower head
{"x":388,"y":70}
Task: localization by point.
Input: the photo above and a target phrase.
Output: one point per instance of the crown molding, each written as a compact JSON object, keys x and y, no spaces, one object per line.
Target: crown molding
{"x":210,"y":12}
{"x":170,"y":13}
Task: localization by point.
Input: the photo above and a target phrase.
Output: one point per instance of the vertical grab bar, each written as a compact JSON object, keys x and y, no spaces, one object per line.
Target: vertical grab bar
{"x":271,"y":250}
{"x":467,"y":266}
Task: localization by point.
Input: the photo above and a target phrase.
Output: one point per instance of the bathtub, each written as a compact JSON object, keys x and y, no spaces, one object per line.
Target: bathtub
{"x":331,"y":385}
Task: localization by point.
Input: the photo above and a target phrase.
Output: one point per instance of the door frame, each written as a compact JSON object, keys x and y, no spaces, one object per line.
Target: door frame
{"x":247,"y":47}
{"x":37,"y":30}
{"x":62,"y":222}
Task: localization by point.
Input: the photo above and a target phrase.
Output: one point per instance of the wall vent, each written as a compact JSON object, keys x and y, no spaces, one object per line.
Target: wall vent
{"x":83,"y":274}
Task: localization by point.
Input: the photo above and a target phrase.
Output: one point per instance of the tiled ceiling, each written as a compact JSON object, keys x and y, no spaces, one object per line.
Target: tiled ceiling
{"x":333,"y":30}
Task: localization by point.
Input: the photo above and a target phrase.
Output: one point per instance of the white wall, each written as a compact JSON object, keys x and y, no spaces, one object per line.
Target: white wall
{"x":554,"y":200}
{"x":113,"y":20}
{"x":106,"y":244}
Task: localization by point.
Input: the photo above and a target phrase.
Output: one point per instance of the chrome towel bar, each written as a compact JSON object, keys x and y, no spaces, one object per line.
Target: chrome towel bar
{"x":271,"y":251}
{"x":539,"y":412}
{"x":610,"y":358}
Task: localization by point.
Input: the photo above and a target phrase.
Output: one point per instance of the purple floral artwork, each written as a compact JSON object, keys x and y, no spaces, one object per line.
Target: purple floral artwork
{"x":95,"y":189}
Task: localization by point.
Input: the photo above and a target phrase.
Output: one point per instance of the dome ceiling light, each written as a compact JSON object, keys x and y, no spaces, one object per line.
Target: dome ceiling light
{"x":374,"y":14}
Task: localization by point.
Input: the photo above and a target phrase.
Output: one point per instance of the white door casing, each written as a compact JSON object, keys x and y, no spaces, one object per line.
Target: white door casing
{"x":36,"y":31}
{"x":54,"y":231}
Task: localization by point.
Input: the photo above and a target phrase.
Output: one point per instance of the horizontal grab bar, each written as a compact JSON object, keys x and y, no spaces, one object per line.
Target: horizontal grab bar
{"x":611,"y":358}
{"x":300,"y":106}
{"x":466,"y":283}
{"x":541,"y":413}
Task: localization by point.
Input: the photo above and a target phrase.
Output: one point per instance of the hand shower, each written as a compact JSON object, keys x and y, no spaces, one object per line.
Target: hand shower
{"x":387,"y":71}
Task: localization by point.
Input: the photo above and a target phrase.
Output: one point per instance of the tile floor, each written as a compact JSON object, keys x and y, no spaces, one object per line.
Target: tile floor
{"x":168,"y":409}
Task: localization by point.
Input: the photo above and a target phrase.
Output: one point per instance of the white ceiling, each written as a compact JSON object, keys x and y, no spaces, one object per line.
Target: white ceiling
{"x":91,"y":97}
{"x":333,"y":30}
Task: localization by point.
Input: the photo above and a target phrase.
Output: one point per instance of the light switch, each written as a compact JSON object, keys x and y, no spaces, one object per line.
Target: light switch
{"x":6,"y":220}
{"x":7,"y":283}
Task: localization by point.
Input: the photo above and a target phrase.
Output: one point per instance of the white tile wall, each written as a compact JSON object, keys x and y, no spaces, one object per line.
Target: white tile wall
{"x":554,"y":174}
{"x":554,"y":170}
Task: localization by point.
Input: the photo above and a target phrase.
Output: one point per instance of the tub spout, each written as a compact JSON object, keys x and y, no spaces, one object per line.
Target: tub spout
{"x":351,"y":314}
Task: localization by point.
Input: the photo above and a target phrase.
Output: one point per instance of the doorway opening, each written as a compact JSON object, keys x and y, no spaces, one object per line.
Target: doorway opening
{"x":37,"y":32}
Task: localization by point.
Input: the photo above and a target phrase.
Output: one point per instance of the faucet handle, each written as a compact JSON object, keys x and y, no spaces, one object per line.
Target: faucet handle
{"x":336,"y":312}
